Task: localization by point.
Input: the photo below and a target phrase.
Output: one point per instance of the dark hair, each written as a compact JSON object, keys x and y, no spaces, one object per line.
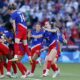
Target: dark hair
{"x":12,"y":6}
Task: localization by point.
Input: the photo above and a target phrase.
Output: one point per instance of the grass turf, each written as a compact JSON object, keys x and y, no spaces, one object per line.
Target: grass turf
{"x":68,"y":72}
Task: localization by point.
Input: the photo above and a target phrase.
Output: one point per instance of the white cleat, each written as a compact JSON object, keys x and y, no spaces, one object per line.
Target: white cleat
{"x":15,"y":58}
{"x":28,"y":72}
{"x":31,"y":75}
{"x":56,"y":73}
{"x":24,"y":76}
{"x":9,"y":74}
{"x":2,"y":76}
{"x":46,"y":73}
{"x":14,"y":76}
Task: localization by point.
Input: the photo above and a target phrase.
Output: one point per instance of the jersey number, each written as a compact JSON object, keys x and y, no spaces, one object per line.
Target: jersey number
{"x":22,"y":18}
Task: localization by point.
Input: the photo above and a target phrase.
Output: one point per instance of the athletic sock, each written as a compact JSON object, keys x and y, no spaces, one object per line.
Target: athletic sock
{"x":5,"y":64}
{"x":44,"y":71}
{"x":9,"y":64}
{"x":49,"y":64}
{"x":54,"y":67}
{"x":25,"y":69}
{"x":20,"y":67}
{"x":17,"y":49}
{"x":1,"y":68}
{"x":14,"y":68}
{"x":26,"y":48}
{"x":33,"y":66}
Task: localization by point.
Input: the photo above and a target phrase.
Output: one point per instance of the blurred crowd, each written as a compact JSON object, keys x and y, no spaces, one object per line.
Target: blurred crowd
{"x":62,"y":13}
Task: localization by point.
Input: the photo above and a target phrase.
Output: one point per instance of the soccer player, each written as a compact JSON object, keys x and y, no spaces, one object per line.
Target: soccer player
{"x":51,"y":35}
{"x":20,"y":31}
{"x":7,"y":37}
{"x":54,"y":66}
{"x":4,"y":51}
{"x":36,"y":45}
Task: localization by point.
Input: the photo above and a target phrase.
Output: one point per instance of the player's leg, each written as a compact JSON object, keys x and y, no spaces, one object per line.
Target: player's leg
{"x":25,"y":44}
{"x":35,"y":54}
{"x":21,"y":68}
{"x":54,"y":65}
{"x":5,"y":52}
{"x":19,"y":64}
{"x":18,"y":38}
{"x":42,"y":57}
{"x":9,"y":63}
{"x":1,"y":66}
{"x":55,"y":68}
{"x":33,"y":63}
{"x":45,"y":65}
{"x":50,"y":57}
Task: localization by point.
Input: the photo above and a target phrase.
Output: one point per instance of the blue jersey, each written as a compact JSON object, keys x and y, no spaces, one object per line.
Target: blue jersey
{"x":8,"y":34}
{"x":50,"y":37}
{"x":36,"y":41}
{"x":2,"y":29}
{"x":19,"y":18}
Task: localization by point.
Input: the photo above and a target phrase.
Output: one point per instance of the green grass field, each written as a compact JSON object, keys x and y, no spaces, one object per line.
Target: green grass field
{"x":68,"y":72}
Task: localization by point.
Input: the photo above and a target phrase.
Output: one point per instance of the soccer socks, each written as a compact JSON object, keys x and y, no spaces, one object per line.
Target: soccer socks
{"x":5,"y":64}
{"x":33,"y":66}
{"x":9,"y":64}
{"x":49,"y":64}
{"x":17,"y":49}
{"x":25,"y":69}
{"x":20,"y":67}
{"x":54,"y":67}
{"x":1,"y":68}
{"x":26,"y":48}
{"x":44,"y":71}
{"x":14,"y":68}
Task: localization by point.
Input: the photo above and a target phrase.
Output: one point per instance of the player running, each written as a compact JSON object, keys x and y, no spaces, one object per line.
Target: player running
{"x":51,"y":35}
{"x":36,"y":45}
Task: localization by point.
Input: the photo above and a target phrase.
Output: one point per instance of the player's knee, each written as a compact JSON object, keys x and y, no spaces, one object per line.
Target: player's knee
{"x":17,"y":40}
{"x":24,"y":42}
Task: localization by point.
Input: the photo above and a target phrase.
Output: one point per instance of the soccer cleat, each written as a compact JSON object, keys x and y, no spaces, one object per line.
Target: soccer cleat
{"x":46,"y":73}
{"x":31,"y":75}
{"x":56,"y":73}
{"x":28,"y":72}
{"x":24,"y":76}
{"x":9,"y":74}
{"x":2,"y":76}
{"x":15,"y":58}
{"x":14,"y":76}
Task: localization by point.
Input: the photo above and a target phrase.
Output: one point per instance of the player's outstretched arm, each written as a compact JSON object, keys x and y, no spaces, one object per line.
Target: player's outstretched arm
{"x":50,"y":30}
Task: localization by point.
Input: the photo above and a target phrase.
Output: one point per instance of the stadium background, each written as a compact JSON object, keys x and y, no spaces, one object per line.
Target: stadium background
{"x":65,"y":13}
